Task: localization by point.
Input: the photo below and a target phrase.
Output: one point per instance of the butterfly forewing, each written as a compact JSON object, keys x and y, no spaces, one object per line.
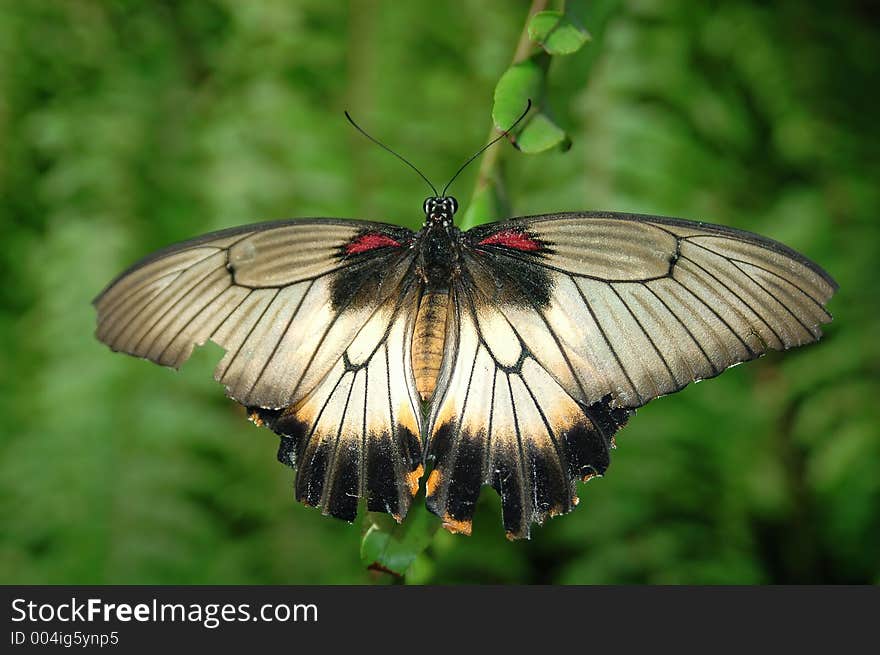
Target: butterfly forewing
{"x":639,"y":306}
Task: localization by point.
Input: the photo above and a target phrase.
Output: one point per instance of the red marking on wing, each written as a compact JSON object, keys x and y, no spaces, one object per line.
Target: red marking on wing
{"x":516,"y":239}
{"x":370,"y":241}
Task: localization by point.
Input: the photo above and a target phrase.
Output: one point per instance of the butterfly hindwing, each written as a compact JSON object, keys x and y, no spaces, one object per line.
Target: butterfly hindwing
{"x":503,"y":420}
{"x":316,"y":320}
{"x":357,"y":434}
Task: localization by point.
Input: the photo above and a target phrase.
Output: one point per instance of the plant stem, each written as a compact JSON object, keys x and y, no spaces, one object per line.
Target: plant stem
{"x":488,"y":172}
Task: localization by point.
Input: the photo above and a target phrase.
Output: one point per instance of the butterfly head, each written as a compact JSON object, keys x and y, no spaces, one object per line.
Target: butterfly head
{"x":439,"y":210}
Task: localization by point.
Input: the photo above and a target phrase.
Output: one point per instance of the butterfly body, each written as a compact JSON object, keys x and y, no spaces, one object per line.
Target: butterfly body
{"x":438,"y":267}
{"x":506,"y":355}
{"x":429,"y":338}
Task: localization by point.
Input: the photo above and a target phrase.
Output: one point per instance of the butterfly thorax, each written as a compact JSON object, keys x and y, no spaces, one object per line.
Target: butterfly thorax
{"x":438,"y":256}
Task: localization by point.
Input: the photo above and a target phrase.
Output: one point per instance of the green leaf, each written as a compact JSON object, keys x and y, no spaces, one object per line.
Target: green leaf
{"x":519,"y":84}
{"x":541,"y":134}
{"x":392,"y":547}
{"x":557,"y":33}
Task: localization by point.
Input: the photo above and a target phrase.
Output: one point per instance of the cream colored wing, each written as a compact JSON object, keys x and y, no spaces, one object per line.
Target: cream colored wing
{"x":283,"y":299}
{"x":635,"y":307}
{"x":316,"y":320}
{"x":358,"y":433}
{"x":502,"y":420}
{"x":564,"y":324}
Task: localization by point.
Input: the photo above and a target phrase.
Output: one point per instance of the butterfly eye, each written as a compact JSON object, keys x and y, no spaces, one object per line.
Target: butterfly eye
{"x":426,"y":206}
{"x":453,"y":204}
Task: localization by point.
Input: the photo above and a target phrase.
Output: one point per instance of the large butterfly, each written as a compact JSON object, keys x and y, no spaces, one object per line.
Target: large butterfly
{"x":507,"y":355}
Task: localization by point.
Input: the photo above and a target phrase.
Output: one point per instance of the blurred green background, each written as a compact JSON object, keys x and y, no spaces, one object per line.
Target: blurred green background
{"x":125,"y":126}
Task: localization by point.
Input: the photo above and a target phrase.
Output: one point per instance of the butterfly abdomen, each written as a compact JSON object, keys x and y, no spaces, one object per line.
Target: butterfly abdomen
{"x":429,"y":336}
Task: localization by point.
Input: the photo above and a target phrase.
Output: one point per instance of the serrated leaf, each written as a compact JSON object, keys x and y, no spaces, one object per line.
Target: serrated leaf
{"x":519,"y":84}
{"x":541,"y":134}
{"x":557,"y":33}
{"x":392,"y":547}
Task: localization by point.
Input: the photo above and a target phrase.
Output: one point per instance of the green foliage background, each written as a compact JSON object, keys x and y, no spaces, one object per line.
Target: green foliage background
{"x":127,"y":125}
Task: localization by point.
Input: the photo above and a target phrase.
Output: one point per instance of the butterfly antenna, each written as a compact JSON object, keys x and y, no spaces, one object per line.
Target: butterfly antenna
{"x":487,"y":146}
{"x":384,"y":147}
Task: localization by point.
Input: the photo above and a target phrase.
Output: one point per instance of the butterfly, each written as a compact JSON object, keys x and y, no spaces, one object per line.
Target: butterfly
{"x":506,"y":355}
